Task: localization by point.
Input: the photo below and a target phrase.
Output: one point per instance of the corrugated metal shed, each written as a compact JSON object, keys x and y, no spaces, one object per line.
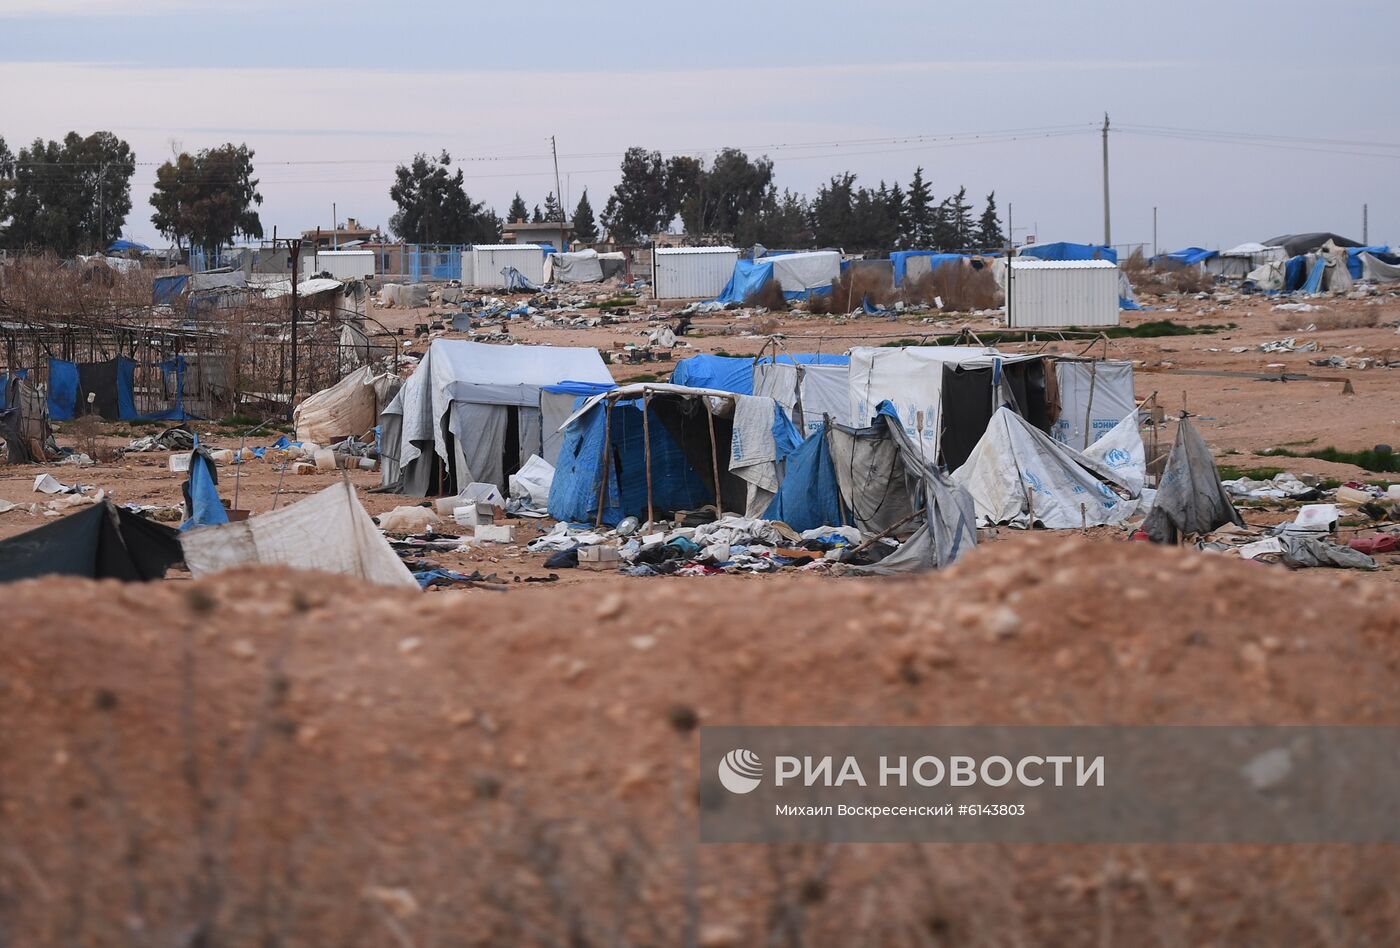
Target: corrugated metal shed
{"x":1059,"y":293}
{"x":680,"y":273}
{"x":488,"y":260}
{"x":340,"y":264}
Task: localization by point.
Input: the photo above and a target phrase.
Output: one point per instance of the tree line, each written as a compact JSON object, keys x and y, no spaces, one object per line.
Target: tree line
{"x":75,"y":195}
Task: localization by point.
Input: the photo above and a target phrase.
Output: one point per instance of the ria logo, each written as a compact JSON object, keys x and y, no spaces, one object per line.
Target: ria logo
{"x":740,"y":771}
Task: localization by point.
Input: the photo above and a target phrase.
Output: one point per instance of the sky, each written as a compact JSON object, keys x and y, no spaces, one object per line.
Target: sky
{"x":1238,"y":121}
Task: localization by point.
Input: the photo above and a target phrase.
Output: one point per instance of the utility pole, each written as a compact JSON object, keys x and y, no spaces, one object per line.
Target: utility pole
{"x":1154,"y":230}
{"x":294,"y":245}
{"x":335,"y":229}
{"x":558,"y":194}
{"x":1366,"y":224}
{"x":1107,"y":229}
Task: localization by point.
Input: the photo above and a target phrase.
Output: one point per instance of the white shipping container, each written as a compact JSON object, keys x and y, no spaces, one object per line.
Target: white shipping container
{"x":488,"y":260}
{"x":340,"y":264}
{"x":468,"y":268}
{"x":1060,"y":293}
{"x":680,"y":273}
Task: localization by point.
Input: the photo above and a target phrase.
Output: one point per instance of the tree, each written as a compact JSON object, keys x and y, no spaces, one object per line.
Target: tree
{"x":434,"y":206}
{"x":784,"y":223}
{"x":989,"y":235}
{"x":208,"y":199}
{"x":536,"y":217}
{"x":553,"y":210}
{"x":638,"y":206}
{"x":68,"y":196}
{"x":961,"y":232}
{"x":899,"y":216}
{"x":920,"y":212}
{"x":518,"y":212}
{"x":7,"y":176}
{"x":585,"y":228}
{"x":726,"y":198}
{"x":832,"y":211}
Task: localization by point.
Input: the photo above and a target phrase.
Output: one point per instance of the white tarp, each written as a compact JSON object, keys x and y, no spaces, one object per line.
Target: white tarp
{"x":753,"y":452}
{"x":1121,"y":451}
{"x":912,"y":380}
{"x":1377,"y":270}
{"x":813,"y":270}
{"x":350,"y":407}
{"x":1018,"y":475}
{"x":532,"y":481}
{"x":328,"y":531}
{"x":478,"y":374}
{"x":1094,"y":396}
{"x":581,"y":267}
{"x":819,"y":389}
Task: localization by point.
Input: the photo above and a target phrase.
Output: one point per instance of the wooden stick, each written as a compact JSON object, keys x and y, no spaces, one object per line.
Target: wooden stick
{"x":866,"y":544}
{"x":714,"y":459}
{"x":646,"y":449}
{"x":607,"y":459}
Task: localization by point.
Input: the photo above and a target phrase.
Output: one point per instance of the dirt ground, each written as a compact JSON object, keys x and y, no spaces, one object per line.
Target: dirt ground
{"x":260,"y":758}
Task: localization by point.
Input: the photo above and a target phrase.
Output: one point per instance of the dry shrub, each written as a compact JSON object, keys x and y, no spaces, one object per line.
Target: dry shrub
{"x":855,"y":285}
{"x":1165,"y":278}
{"x":1368,"y":319}
{"x":769,"y":296}
{"x":962,"y":287}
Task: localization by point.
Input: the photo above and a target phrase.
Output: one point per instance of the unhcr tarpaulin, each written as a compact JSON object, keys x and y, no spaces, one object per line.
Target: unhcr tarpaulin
{"x":1190,"y":498}
{"x":328,"y":531}
{"x":1020,"y":476}
{"x":1094,"y":396}
{"x":102,"y":541}
{"x":808,"y":392}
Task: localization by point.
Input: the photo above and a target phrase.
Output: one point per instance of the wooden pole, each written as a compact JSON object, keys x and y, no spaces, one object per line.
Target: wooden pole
{"x":714,"y":460}
{"x":646,"y":450}
{"x":607,"y":459}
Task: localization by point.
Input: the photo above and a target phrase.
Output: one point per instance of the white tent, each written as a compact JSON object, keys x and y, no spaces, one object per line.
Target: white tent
{"x":912,"y":380}
{"x":809,"y":270}
{"x":585,"y":266}
{"x":809,"y":391}
{"x":1020,"y":476}
{"x":1095,"y":395}
{"x":328,"y":531}
{"x":472,"y":412}
{"x":1237,"y":262}
{"x":349,"y":408}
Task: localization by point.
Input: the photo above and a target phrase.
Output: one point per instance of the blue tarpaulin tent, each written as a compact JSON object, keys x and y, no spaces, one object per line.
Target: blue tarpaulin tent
{"x":114,"y":384}
{"x":167,"y":289}
{"x":1354,"y":258}
{"x":1186,"y":257}
{"x":1063,"y":250}
{"x":900,"y":261}
{"x":735,"y":373}
{"x":748,"y":278}
{"x":201,"y":493}
{"x":119,"y":245}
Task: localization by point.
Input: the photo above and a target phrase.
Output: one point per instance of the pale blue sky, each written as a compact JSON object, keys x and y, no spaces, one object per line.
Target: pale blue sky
{"x":331,"y":96}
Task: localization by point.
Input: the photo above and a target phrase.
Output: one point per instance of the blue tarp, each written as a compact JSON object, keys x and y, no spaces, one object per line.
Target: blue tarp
{"x":126,"y":389}
{"x":201,"y":492}
{"x":809,"y":496}
{"x":516,"y":282}
{"x":1295,"y":274}
{"x":63,"y":390}
{"x":899,"y":259}
{"x":735,"y":373}
{"x":747,"y":279}
{"x":123,"y":244}
{"x":1313,"y":284}
{"x":1354,"y":258}
{"x":167,"y":289}
{"x":1187,"y":257}
{"x":586,"y":389}
{"x":573,"y":496}
{"x":1064,"y":250}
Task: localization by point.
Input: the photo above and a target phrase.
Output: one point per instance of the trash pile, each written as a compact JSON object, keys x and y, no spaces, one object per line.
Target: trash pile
{"x":729,"y":545}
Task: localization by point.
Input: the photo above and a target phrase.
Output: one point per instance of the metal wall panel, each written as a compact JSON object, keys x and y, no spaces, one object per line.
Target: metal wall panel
{"x":693,"y":272}
{"x":1055,"y":294}
{"x":489,"y":260}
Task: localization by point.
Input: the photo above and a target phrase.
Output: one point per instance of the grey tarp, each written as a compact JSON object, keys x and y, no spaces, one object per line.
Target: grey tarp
{"x":1190,"y":498}
{"x":1376,"y":269}
{"x":1312,"y":551}
{"x":883,"y":480}
{"x":581,"y":267}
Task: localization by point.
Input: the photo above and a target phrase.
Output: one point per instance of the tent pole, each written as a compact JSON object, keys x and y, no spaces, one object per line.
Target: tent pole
{"x":607,"y":459}
{"x":646,"y":449}
{"x":714,"y":460}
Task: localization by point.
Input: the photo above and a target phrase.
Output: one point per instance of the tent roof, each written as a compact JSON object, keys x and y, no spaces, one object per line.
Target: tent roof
{"x":638,"y":389}
{"x":477,"y":363}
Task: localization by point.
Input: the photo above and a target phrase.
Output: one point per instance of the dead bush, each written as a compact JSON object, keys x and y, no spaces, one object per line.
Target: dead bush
{"x":855,"y":285}
{"x":769,"y":296}
{"x":1162,"y":279}
{"x":961,"y":287}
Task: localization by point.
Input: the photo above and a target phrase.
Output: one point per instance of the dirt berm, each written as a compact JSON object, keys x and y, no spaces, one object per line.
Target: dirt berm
{"x":271,"y":758}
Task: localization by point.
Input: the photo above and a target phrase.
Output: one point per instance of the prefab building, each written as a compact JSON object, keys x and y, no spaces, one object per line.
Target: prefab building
{"x":340,"y":264}
{"x":680,"y":273}
{"x":482,"y":264}
{"x":1059,"y":293}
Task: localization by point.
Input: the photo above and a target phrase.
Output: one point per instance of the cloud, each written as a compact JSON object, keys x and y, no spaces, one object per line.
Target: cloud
{"x":90,"y":8}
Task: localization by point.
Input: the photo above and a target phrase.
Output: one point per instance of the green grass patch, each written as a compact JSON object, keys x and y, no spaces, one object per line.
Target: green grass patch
{"x":610,"y":303}
{"x":1229,"y":472}
{"x":1160,"y":328}
{"x":1366,"y":460}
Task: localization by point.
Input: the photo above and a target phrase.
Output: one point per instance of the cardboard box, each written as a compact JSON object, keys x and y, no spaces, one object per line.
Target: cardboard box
{"x":487,"y":533}
{"x":474,"y":515}
{"x":598,"y":558}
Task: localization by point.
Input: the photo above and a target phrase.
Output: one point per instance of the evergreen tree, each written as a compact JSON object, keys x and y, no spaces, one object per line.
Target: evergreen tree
{"x":208,"y":198}
{"x":585,"y":228}
{"x":989,"y":235}
{"x":67,"y":196}
{"x":518,"y":212}
{"x":961,"y":232}
{"x":553,"y":211}
{"x":920,"y":212}
{"x":536,"y":217}
{"x":434,"y":206}
{"x":639,"y":205}
{"x":899,"y":215}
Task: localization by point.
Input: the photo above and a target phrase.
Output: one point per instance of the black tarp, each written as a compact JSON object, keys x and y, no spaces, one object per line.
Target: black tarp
{"x":969,"y":403}
{"x":103,"y":541}
{"x":1295,"y":244}
{"x":100,"y":380}
{"x":1190,"y":499}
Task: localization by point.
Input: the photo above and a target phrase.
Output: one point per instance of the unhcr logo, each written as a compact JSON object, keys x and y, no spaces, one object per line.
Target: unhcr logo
{"x":740,"y":771}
